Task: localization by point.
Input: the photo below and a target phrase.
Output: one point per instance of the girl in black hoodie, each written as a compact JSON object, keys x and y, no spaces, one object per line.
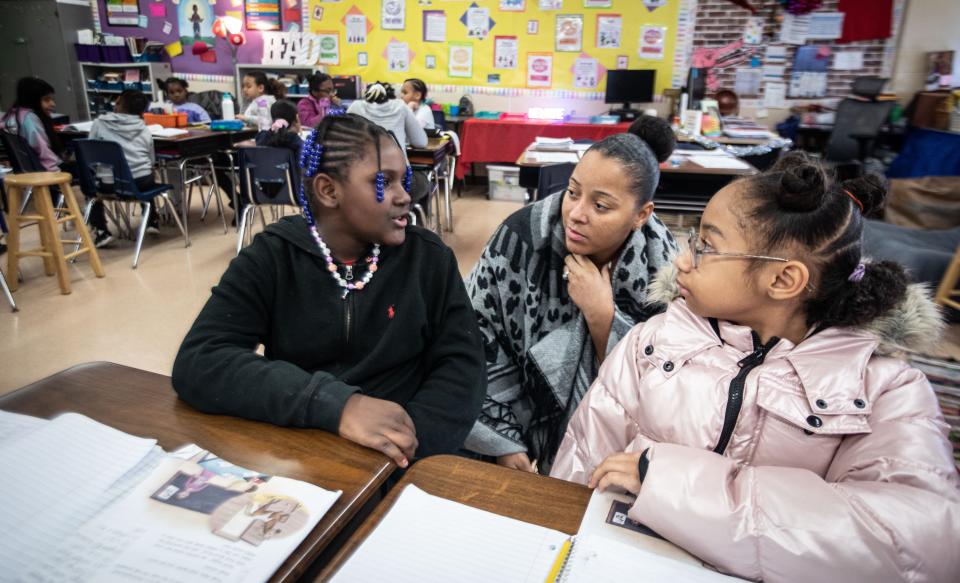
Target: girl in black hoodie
{"x":367,"y":327}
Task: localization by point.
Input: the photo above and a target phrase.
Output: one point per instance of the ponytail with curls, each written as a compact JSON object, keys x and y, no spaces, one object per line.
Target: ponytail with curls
{"x":797,"y":203}
{"x":270,"y":86}
{"x":379,"y":92}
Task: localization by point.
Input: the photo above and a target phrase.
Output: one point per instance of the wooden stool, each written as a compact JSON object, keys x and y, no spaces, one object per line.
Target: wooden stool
{"x":51,"y":246}
{"x":948,"y":294}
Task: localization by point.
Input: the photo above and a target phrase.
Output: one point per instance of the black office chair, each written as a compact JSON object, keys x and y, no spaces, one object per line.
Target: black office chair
{"x":868,"y":87}
{"x":855,"y":133}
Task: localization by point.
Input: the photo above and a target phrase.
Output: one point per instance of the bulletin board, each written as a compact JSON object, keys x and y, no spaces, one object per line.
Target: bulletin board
{"x":372,"y":54}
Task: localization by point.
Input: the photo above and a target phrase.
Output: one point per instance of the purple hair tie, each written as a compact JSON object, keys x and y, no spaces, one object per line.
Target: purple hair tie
{"x":857,"y":274}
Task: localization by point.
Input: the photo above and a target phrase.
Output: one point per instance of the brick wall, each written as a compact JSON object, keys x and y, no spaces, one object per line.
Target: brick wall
{"x":720,"y":22}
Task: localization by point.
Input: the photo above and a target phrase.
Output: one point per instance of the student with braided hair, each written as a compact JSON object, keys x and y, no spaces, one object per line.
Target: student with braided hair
{"x":367,"y":327}
{"x":381,"y":106}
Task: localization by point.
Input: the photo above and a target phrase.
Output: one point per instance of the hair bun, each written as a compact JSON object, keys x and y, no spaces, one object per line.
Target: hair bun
{"x":869,"y":189}
{"x":803,"y":183}
{"x":657,"y":134}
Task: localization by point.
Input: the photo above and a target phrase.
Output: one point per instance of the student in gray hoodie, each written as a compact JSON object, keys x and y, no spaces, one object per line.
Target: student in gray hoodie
{"x":126,"y":127}
{"x":381,"y":106}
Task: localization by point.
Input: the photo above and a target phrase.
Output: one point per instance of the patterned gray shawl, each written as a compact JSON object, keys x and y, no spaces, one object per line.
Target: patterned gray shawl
{"x":540,"y":358}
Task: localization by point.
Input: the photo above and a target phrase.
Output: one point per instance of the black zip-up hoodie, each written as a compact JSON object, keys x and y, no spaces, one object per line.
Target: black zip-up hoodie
{"x":410,"y":336}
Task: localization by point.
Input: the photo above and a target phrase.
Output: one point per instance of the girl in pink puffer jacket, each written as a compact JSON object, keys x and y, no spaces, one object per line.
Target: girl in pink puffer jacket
{"x":757,"y":420}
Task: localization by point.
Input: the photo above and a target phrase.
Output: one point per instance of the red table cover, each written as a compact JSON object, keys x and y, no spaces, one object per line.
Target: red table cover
{"x":502,"y":141}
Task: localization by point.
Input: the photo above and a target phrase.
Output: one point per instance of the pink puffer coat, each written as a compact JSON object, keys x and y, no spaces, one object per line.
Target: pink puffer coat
{"x":834,"y":467}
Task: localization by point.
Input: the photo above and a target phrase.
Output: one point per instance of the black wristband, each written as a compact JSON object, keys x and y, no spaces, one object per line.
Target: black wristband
{"x":643,"y":464}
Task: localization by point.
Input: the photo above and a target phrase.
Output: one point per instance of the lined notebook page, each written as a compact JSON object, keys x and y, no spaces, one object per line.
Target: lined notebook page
{"x":599,"y":560}
{"x":14,"y":425}
{"x":427,"y":538}
{"x":57,"y":477}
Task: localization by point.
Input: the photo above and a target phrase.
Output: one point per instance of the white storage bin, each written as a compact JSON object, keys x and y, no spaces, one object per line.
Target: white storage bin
{"x":505,"y":184}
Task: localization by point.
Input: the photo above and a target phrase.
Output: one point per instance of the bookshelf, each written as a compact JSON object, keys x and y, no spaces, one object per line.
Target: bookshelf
{"x":98,"y":96}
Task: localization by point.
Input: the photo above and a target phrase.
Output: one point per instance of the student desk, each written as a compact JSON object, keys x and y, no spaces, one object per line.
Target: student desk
{"x":684,"y":188}
{"x":436,"y":155}
{"x":528,"y":497}
{"x":144,"y":404}
{"x":490,"y":141}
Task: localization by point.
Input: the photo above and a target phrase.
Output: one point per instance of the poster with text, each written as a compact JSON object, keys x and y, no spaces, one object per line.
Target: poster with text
{"x":597,"y":3}
{"x":609,"y":30}
{"x":539,"y":69}
{"x":460,"y":63}
{"x":505,"y":52}
{"x":478,"y":22}
{"x":652,"y":40}
{"x":122,"y":12}
{"x":434,"y":26}
{"x":513,"y":5}
{"x":261,"y":14}
{"x":393,"y":15}
{"x":551,"y":4}
{"x":356,"y":25}
{"x":586,"y":73}
{"x":569,"y":33}
{"x":329,"y":42}
{"x":398,"y":56}
{"x":195,"y":19}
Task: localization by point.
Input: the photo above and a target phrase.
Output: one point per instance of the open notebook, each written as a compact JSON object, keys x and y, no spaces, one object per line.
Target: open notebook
{"x":428,"y":538}
{"x":86,"y":502}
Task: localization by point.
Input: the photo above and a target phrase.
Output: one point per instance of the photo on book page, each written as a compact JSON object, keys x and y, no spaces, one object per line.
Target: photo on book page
{"x":204,"y":482}
{"x":617,"y":516}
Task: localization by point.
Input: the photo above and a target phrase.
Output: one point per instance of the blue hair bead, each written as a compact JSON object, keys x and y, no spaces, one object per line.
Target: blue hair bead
{"x":381,"y":183}
{"x":408,"y":179}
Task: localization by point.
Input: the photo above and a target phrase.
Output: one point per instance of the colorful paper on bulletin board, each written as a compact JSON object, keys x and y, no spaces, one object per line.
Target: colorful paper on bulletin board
{"x":586,"y":72}
{"x":460,"y":63}
{"x":506,"y":50}
{"x":609,"y":31}
{"x":195,"y":19}
{"x":292,"y":19}
{"x":209,"y":57}
{"x":174,"y":49}
{"x":539,"y":70}
{"x":753,"y":31}
{"x":329,"y":47}
{"x":158,"y":10}
{"x":652,"y":41}
{"x":597,"y":3}
{"x":393,"y":15}
{"x":478,"y":22}
{"x":356,"y":26}
{"x":550,"y":4}
{"x":569,"y":33}
{"x":262,"y":14}
{"x":123,"y":12}
{"x":434,"y":26}
{"x":654,"y":4}
{"x":513,"y":5}
{"x":398,"y":56}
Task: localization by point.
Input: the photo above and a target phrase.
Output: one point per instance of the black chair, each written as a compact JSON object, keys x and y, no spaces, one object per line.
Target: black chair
{"x":269,"y":176}
{"x":553,"y":178}
{"x":105,"y":175}
{"x":868,"y":87}
{"x":855,"y":132}
{"x":439,"y":120}
{"x":23,"y":159}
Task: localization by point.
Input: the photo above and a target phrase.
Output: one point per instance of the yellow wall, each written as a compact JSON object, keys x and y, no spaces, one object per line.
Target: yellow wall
{"x":633,"y":12}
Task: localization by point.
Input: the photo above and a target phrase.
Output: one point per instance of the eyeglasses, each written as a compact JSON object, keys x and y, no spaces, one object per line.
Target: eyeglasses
{"x":698,"y":249}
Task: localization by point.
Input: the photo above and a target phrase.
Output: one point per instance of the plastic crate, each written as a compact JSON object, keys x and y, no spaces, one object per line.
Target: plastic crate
{"x":504,"y":183}
{"x":87,"y":53}
{"x":115,"y":54}
{"x":167,"y":120}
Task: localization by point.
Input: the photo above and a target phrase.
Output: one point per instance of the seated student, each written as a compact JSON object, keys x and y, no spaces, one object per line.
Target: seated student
{"x":260,"y":93}
{"x":176,"y":90}
{"x":559,"y":283}
{"x":126,"y":127}
{"x":285,"y":131}
{"x":321,"y":100}
{"x":759,"y":420}
{"x":367,"y":328}
{"x":381,"y":106}
{"x":413,"y":92}
{"x":29,"y":117}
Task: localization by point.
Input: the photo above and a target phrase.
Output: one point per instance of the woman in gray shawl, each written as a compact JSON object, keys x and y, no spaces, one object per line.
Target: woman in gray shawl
{"x":558,"y":284}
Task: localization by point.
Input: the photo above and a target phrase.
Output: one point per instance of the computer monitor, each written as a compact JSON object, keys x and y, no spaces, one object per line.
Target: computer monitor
{"x":696,"y":87}
{"x":347,"y":86}
{"x":629,"y":86}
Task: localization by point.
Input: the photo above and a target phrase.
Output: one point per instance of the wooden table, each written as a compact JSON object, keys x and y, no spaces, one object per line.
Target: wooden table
{"x":144,"y":404}
{"x":528,"y":497}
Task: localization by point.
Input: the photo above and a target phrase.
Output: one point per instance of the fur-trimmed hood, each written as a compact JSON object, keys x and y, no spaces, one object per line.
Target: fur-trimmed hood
{"x":914,"y":325}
